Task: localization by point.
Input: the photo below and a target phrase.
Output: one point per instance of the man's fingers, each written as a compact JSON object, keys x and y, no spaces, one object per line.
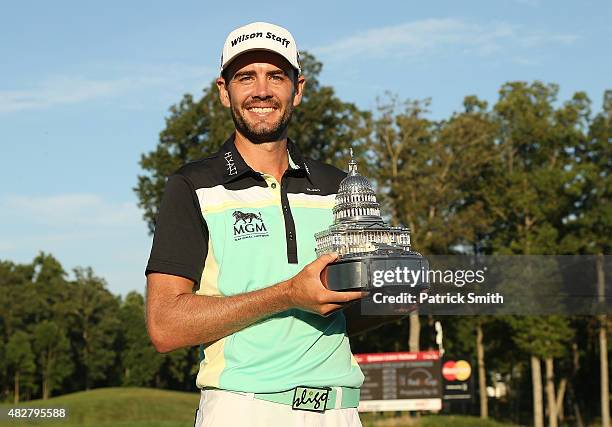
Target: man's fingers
{"x":353,"y":295}
{"x":340,"y":297}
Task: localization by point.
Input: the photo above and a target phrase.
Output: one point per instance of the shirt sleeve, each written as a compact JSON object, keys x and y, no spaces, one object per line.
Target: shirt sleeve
{"x":180,"y":242}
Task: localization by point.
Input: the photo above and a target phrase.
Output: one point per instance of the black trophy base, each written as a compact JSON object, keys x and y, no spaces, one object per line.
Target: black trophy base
{"x":373,"y":270}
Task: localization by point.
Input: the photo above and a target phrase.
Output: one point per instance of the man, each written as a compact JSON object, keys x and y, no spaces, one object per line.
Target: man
{"x":239,"y":228}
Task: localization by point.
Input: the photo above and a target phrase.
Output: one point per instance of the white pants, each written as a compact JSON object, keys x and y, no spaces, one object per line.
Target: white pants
{"x":221,"y":408}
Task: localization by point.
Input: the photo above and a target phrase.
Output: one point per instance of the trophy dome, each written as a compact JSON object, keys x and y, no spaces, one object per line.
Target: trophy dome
{"x":356,"y":200}
{"x":358,"y":227}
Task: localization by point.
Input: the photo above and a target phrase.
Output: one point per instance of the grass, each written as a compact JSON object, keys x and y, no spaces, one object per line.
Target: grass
{"x":123,"y":406}
{"x":142,"y":407}
{"x":389,"y":419}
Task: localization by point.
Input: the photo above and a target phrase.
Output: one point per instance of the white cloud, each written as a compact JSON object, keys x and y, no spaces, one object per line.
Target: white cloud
{"x":70,"y":211}
{"x":62,"y":90}
{"x":6,"y":246}
{"x":73,"y":89}
{"x":433,"y":35}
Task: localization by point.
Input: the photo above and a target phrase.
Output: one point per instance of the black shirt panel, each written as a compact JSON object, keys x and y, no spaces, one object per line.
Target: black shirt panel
{"x":180,"y":244}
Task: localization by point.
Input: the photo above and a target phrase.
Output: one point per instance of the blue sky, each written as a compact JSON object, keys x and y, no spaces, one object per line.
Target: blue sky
{"x":85,"y":88}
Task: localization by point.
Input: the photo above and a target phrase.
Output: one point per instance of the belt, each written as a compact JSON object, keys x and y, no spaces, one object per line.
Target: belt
{"x":338,"y":397}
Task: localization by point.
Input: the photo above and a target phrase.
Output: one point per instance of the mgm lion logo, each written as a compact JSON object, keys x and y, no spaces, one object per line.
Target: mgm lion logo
{"x":248,"y":225}
{"x":244,"y":217}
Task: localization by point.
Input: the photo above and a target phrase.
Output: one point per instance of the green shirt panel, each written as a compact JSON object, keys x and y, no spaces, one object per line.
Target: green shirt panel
{"x":291,"y":348}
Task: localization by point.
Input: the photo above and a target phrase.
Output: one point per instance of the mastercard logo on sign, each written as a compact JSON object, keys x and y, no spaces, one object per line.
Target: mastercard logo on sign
{"x":456,"y":371}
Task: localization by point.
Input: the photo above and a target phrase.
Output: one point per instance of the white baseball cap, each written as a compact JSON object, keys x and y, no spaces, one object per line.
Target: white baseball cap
{"x":260,"y":36}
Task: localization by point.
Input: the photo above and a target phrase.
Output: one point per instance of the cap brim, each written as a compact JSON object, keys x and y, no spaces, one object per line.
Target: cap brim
{"x":255,"y":49}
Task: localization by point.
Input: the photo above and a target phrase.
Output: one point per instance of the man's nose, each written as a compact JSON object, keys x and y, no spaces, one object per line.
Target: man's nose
{"x":262,"y":88}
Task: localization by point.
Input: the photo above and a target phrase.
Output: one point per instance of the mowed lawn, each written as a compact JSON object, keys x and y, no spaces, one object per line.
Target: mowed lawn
{"x":121,"y":406}
{"x":142,"y":407}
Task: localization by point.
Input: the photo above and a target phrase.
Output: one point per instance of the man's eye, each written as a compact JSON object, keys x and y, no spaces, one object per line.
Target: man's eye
{"x":245,"y":78}
{"x":277,"y":77}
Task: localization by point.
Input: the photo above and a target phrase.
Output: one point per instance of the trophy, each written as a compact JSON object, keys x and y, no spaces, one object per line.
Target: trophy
{"x":371,"y":254}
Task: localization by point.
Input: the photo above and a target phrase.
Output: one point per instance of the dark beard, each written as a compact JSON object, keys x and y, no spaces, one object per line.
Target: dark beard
{"x":259,"y":136}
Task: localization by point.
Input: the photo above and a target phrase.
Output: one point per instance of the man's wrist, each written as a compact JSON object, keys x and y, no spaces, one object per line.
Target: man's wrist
{"x":285,"y":295}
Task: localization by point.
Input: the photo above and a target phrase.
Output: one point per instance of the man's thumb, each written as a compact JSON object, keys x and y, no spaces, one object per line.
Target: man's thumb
{"x":323,"y":260}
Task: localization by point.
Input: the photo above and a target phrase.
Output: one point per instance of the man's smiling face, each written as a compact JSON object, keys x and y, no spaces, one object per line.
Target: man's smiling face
{"x":261,"y":91}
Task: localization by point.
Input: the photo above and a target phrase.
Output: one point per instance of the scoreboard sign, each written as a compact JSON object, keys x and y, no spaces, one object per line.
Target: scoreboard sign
{"x":400,"y":381}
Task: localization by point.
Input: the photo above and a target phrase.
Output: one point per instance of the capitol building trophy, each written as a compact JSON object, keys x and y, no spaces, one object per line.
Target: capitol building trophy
{"x":365,"y":244}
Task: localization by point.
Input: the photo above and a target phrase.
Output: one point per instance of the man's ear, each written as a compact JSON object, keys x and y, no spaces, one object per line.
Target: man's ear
{"x":223,"y":93}
{"x":299,"y":90}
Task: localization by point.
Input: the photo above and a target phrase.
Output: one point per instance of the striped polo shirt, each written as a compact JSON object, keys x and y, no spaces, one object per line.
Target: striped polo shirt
{"x":232,"y":230}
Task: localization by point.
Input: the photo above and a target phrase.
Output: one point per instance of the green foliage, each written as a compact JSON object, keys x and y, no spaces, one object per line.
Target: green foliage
{"x":140,"y":361}
{"x":590,"y":224}
{"x":529,"y":198}
{"x":19,"y":359}
{"x":323,"y":126}
{"x":542,"y":336}
{"x":91,"y":316}
{"x":434,"y":172}
{"x":527,"y":177}
{"x":78,"y":334}
{"x":52,"y":347}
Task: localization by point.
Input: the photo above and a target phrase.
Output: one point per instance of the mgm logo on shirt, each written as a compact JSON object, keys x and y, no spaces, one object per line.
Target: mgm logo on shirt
{"x":248,"y":225}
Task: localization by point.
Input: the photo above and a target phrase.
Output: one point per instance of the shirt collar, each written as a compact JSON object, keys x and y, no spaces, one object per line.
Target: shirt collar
{"x":236,"y":167}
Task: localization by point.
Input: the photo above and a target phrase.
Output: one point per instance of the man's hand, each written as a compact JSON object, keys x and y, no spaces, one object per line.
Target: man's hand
{"x":306,"y":291}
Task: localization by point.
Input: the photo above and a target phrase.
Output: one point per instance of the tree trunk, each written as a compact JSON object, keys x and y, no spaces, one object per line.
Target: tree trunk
{"x":45,"y":388}
{"x":482,"y":379}
{"x":415,"y":331}
{"x":603,"y":365}
{"x":603,"y":346}
{"x":550,"y":392}
{"x":16,"y":396}
{"x":579,"y":422}
{"x":46,"y":378}
{"x":560,"y":399}
{"x":536,"y":381}
{"x":572,"y":398}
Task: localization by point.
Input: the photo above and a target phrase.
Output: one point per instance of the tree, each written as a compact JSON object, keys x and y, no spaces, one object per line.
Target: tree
{"x":324,"y":126}
{"x":139,"y":360}
{"x":400,"y":128}
{"x":17,"y":303}
{"x":53,"y":353}
{"x":591,"y":225}
{"x":91,"y":316}
{"x":529,"y":198}
{"x":431,"y":174}
{"x":20,"y":360}
{"x":543,"y":338}
{"x":178,"y":369}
